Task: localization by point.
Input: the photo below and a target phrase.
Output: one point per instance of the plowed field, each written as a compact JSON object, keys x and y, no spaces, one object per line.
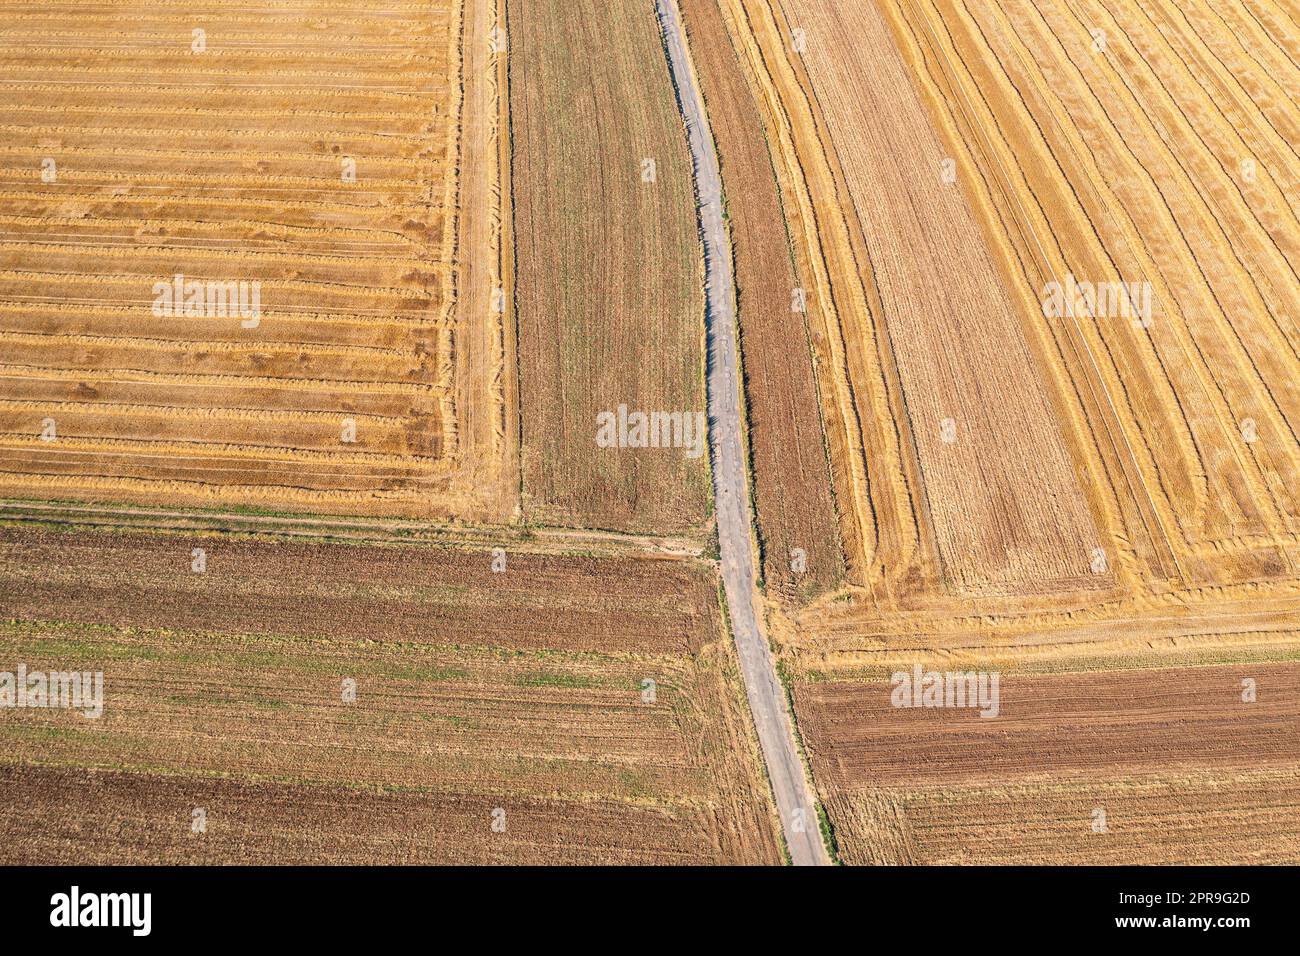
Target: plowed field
{"x":1184,"y":769}
{"x":523,"y":690}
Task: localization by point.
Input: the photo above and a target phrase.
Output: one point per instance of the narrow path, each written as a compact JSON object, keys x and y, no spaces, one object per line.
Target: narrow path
{"x":794,"y":801}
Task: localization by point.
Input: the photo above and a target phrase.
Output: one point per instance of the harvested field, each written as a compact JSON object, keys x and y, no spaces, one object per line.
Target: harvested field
{"x":792,"y":490}
{"x":1132,"y":445}
{"x":484,"y":336}
{"x":973,"y":405}
{"x":941,"y":165}
{"x":844,"y":637}
{"x":1017,"y":288}
{"x":1156,"y":150}
{"x":609,"y":287}
{"x":471,"y":694}
{"x":1185,"y":769}
{"x":309,"y":156}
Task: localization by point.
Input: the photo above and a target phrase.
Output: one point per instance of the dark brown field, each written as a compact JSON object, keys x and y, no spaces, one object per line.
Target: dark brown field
{"x":1174,"y":757}
{"x":426,"y":595}
{"x":253,"y":823}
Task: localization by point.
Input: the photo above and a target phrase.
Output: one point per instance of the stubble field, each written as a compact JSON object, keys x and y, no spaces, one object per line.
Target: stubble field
{"x":991,"y":448}
{"x":310,"y":154}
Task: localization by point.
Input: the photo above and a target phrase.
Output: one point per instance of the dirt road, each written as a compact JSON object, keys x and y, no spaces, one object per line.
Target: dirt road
{"x":767,"y":699}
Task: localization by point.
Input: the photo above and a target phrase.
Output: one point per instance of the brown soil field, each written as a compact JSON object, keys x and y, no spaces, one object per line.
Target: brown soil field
{"x":1185,"y":770}
{"x":269,"y":824}
{"x":1180,"y":719}
{"x":475,"y":691}
{"x":429,"y":595}
{"x":1153,"y":819}
{"x":792,"y":491}
{"x":609,"y":286}
{"x":225,"y":159}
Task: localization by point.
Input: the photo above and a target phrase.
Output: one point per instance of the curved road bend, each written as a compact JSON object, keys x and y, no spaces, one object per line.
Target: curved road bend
{"x":767,"y":699}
